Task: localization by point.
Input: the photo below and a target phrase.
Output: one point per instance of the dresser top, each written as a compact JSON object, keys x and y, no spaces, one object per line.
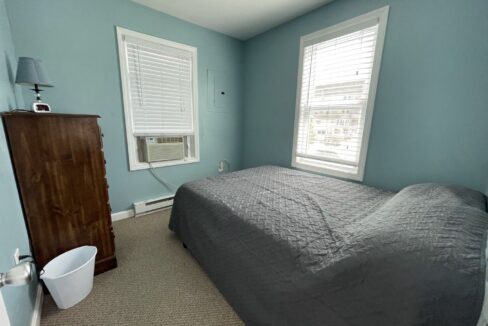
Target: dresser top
{"x":38,"y":115}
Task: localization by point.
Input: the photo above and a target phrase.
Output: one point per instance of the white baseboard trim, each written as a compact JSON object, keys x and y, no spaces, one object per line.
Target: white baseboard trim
{"x":130,"y":213}
{"x":154,"y":211}
{"x":122,"y":215}
{"x":36,"y":314}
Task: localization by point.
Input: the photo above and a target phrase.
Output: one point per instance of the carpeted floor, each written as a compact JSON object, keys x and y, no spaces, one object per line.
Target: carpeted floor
{"x":157,"y":283}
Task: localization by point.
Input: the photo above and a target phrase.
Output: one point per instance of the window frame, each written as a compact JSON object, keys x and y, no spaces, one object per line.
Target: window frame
{"x":325,"y":34}
{"x":132,"y":150}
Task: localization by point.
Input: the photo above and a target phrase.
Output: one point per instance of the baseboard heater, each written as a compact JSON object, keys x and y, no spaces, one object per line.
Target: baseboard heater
{"x":148,"y":206}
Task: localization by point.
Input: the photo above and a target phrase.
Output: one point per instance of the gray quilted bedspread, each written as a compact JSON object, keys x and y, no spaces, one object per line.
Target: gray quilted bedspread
{"x":292,"y":248}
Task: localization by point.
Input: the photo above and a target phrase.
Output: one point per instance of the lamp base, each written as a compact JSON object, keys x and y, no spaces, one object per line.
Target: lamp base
{"x":40,"y":107}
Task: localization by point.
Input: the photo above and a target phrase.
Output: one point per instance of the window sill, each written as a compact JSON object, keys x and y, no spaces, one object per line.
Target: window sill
{"x":328,"y":172}
{"x":144,"y":166}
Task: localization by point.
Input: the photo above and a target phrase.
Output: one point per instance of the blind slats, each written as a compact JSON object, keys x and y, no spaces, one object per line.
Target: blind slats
{"x":160,"y":87}
{"x":334,"y":95}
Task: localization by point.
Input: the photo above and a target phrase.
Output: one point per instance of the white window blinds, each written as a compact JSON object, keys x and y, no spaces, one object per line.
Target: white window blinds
{"x":160,"y":82}
{"x":337,"y":71}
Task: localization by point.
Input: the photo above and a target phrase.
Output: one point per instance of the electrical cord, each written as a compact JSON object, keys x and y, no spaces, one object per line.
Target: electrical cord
{"x":167,"y":185}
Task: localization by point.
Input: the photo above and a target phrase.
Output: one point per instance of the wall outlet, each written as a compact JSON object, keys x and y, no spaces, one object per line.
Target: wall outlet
{"x":224,"y":166}
{"x":16,"y":256}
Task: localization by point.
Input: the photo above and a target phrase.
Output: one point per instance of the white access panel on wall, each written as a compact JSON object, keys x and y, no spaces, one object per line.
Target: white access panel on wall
{"x":218,"y":90}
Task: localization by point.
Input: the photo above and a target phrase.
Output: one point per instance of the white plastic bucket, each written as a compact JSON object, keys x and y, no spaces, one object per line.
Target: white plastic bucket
{"x":69,"y":277}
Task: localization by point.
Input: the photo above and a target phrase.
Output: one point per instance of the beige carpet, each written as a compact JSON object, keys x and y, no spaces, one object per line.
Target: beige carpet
{"x":157,"y":283}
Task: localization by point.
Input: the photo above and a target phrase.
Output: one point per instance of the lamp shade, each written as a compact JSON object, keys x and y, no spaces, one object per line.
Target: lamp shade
{"x":31,"y":72}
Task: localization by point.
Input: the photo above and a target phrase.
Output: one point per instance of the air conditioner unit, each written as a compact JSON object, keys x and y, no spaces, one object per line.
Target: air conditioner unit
{"x":163,"y":149}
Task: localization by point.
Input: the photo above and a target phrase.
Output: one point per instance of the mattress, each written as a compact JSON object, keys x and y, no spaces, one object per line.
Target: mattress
{"x":293,"y":248}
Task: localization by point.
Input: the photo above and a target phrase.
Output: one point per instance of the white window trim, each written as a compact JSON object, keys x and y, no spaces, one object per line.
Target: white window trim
{"x":134,"y":164}
{"x":328,"y":33}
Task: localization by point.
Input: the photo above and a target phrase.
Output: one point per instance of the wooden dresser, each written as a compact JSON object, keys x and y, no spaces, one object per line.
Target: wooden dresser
{"x":60,"y":171}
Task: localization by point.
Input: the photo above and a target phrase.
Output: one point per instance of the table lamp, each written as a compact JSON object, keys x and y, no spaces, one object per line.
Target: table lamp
{"x":31,"y":72}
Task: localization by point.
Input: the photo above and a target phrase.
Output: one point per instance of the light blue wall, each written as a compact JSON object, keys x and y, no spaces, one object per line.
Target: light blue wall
{"x":77,"y":42}
{"x":13,"y":234}
{"x":431,"y":116}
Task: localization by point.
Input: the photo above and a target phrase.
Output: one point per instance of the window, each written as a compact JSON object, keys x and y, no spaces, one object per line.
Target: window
{"x":159,"y":84}
{"x":339,"y":68}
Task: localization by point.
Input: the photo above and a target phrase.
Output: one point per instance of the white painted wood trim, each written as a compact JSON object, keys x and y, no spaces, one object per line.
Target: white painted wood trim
{"x":122,"y":215}
{"x":143,"y":166}
{"x":4,"y":320}
{"x":381,"y":15}
{"x":155,"y":211}
{"x":119,"y":216}
{"x":134,"y":163}
{"x":327,"y":171}
{"x":37,"y":313}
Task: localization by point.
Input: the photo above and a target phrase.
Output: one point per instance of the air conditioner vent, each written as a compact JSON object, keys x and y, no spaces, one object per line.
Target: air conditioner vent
{"x":163,"y":149}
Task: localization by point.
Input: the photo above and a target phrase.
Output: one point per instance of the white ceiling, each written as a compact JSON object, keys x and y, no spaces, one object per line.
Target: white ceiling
{"x":241,"y":19}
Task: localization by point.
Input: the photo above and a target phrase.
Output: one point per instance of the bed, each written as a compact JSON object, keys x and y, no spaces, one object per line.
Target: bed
{"x":292,"y":248}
